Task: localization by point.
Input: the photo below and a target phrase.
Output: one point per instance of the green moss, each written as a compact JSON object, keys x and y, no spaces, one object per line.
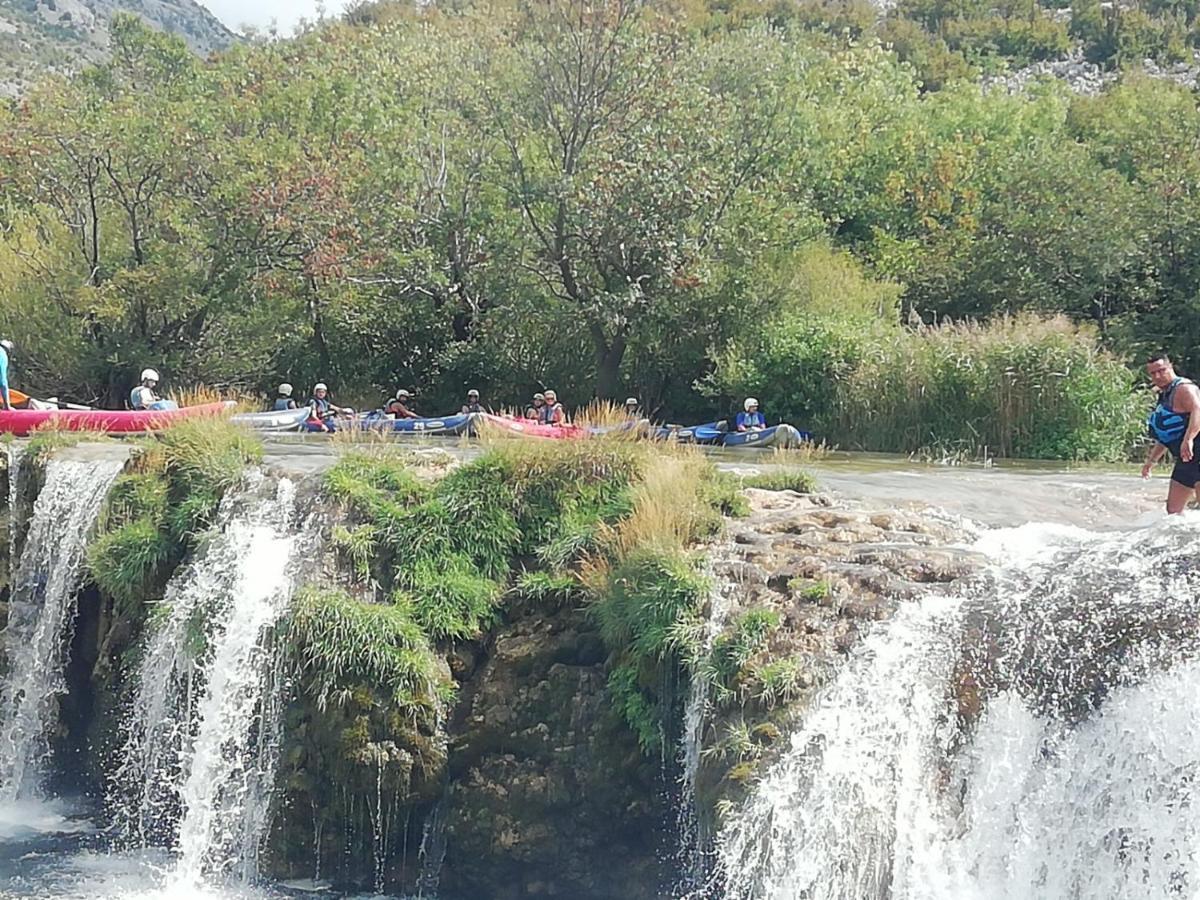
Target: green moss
{"x":782,"y":480}
{"x":810,"y":591}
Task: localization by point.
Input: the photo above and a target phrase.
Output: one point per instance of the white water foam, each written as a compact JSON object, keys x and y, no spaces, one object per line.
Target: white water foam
{"x":199,"y":759}
{"x":1068,"y":772}
{"x":41,"y":615}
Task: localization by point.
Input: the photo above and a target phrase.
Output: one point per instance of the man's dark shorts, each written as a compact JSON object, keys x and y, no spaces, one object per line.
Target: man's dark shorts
{"x":1186,"y":473}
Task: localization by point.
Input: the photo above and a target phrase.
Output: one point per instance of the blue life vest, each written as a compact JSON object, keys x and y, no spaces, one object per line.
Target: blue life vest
{"x":1167,"y":426}
{"x":282,"y":404}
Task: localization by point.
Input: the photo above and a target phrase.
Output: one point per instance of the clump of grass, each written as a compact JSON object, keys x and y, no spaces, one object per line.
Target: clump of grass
{"x":153,"y":512}
{"x":341,"y":642}
{"x":734,"y":647}
{"x":782,"y":480}
{"x":780,"y":680}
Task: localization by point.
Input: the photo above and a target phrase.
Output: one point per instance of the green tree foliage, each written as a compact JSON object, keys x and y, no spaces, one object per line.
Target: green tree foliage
{"x":607,"y":198}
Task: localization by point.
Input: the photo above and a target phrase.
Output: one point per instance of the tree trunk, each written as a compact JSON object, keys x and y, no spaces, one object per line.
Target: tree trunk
{"x":608,"y":367}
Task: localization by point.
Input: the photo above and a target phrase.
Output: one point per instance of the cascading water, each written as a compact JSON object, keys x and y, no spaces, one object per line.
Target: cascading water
{"x":1033,"y":737}
{"x":41,"y":613}
{"x":692,"y":850}
{"x":199,"y":758}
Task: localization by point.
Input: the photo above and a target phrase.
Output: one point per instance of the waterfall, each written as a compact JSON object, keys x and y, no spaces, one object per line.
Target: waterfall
{"x":1033,"y":736}
{"x":691,"y":853}
{"x":199,"y":757}
{"x":41,"y":614}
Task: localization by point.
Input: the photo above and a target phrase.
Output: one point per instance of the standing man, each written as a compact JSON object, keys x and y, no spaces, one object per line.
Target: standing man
{"x":1174,"y":424}
{"x":6,"y":347}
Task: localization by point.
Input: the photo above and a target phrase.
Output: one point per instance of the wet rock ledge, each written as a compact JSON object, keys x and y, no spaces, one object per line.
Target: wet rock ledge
{"x":804,"y":576}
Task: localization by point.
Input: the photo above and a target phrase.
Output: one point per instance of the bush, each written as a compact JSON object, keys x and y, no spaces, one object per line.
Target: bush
{"x":1015,"y":387}
{"x":341,"y":642}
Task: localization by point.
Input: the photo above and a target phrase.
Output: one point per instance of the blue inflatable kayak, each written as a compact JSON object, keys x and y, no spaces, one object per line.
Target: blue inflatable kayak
{"x":452,"y":425}
{"x":714,"y":434}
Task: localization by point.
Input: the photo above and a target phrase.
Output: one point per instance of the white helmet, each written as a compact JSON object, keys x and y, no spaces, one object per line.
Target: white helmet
{"x":7,"y":345}
{"x":320,"y":386}
{"x":285,"y":389}
{"x":402,"y":393}
{"x":750,"y":404}
{"x":149,"y":375}
{"x":631,"y":401}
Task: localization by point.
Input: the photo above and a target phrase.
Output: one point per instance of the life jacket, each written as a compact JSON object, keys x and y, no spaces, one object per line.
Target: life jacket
{"x":318,"y":410}
{"x":473,"y":408}
{"x":552,"y":415}
{"x":1167,"y":426}
{"x":283,"y":404}
{"x":142,"y":397}
{"x":750,"y":420}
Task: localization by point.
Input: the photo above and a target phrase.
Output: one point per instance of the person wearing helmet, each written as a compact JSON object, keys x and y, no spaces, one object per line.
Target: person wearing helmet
{"x":633,"y":409}
{"x":285,"y":401}
{"x":399,"y":408}
{"x":553,"y":412}
{"x":534,"y":409}
{"x":322,"y":411}
{"x":751,"y":419}
{"x":473,"y":405}
{"x":6,"y":347}
{"x":145,"y":396}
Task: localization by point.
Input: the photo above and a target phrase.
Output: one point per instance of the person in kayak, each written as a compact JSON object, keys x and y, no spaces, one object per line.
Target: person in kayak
{"x":284,"y":401}
{"x":1174,"y":424}
{"x":751,"y":419}
{"x":6,"y":348}
{"x":144,"y":396}
{"x":473,"y":405}
{"x":633,"y":409}
{"x":553,"y":413}
{"x":398,"y":406}
{"x":321,"y":410}
{"x":534,"y":409}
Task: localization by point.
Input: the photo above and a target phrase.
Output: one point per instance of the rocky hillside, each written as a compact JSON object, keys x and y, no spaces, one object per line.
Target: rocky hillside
{"x":39,"y":36}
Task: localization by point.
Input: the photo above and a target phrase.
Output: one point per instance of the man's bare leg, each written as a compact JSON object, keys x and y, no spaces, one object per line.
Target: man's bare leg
{"x":1178,"y":496}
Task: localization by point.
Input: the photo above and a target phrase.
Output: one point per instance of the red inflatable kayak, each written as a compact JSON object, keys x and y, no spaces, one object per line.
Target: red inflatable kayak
{"x":21,"y":422}
{"x":530,"y":428}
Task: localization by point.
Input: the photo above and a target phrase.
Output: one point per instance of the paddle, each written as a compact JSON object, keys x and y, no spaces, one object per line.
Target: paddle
{"x":19,"y":397}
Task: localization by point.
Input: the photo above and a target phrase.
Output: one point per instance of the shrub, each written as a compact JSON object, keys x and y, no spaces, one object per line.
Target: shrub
{"x":341,"y":642}
{"x":1015,"y":387}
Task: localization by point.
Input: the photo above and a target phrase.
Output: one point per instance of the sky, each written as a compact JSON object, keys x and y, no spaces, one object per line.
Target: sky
{"x":287,"y":13}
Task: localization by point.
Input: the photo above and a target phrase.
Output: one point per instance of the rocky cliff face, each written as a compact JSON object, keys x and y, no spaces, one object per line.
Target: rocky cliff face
{"x":40,"y":36}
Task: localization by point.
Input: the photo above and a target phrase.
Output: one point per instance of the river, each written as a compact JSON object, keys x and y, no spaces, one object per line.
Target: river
{"x":857,"y":818}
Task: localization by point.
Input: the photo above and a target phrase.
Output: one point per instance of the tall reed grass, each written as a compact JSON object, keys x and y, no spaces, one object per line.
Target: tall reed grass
{"x":1023,"y":386}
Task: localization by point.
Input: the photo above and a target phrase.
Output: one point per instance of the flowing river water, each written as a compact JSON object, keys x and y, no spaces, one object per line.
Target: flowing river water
{"x":1068,"y":774}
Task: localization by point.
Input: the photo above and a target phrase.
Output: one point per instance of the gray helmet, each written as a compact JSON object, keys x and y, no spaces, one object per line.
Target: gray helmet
{"x":472,"y":393}
{"x":402,"y":394}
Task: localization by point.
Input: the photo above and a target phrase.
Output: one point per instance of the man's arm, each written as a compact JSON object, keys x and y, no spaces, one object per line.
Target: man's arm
{"x":1189,"y":403}
{"x":1153,"y":456}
